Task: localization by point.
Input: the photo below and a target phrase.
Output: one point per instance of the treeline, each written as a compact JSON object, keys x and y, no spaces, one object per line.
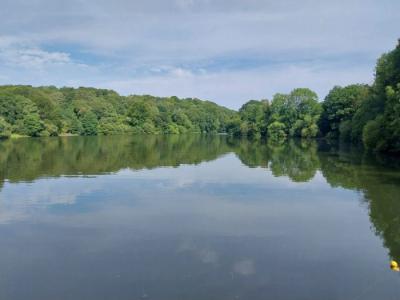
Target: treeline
{"x":357,"y":113}
{"x":49,"y":111}
{"x":295,"y":115}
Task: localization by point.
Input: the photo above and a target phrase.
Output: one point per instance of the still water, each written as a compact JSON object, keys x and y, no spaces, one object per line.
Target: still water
{"x":194,"y":218}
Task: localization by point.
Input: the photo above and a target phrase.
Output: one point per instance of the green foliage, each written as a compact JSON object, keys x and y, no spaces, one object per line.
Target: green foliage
{"x":277,"y":131}
{"x":89,"y":123}
{"x":32,"y":125}
{"x":372,"y":133}
{"x":48,"y":111}
{"x":233,"y":126}
{"x":345,"y":130}
{"x":49,"y":129}
{"x":306,"y":128}
{"x":298,"y":111}
{"x":392,"y":118}
{"x":254,"y":116}
{"x":5,"y":129}
{"x":340,"y":105}
{"x":70,"y":122}
{"x":141,"y":112}
{"x":370,"y":107}
{"x":370,"y":114}
{"x":112,"y":125}
{"x":295,"y":114}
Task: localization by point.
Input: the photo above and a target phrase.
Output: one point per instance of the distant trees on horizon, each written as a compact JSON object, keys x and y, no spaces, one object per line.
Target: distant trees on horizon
{"x":357,"y":113}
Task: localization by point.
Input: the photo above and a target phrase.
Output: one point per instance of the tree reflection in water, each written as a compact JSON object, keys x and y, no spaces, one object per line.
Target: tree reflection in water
{"x":377,"y":178}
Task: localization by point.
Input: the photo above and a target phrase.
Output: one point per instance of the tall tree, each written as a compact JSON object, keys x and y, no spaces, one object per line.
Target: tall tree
{"x":339,"y":106}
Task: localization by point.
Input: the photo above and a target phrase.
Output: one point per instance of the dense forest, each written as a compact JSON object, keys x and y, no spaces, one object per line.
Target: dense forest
{"x":357,"y":113}
{"x":49,"y":111}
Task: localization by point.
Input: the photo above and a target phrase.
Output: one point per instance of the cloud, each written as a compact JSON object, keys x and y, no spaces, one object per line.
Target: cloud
{"x":222,"y":50}
{"x":20,"y":54}
{"x":208,"y":256}
{"x":244,"y":267}
{"x":33,"y":57}
{"x":17,"y":205}
{"x":205,"y":255}
{"x":233,"y":87}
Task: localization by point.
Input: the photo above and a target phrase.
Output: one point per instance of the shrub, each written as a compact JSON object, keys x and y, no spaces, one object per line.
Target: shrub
{"x":372,"y":134}
{"x":5,"y":129}
{"x":276,"y":131}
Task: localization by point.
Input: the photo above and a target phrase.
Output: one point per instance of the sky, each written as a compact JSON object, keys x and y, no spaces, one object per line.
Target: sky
{"x":226,"y":51}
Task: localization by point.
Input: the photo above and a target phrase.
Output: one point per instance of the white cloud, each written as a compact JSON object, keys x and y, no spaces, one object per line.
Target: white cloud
{"x":232,"y":88}
{"x":16,"y":53}
{"x":244,"y":267}
{"x":179,"y":72}
{"x":34,"y":57}
{"x":196,"y":47}
{"x":16,"y":205}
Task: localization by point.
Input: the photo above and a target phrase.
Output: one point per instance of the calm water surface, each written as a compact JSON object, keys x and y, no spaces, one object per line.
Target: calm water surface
{"x":194,"y":218}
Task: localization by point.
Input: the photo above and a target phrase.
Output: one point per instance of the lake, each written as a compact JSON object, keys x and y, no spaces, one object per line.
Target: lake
{"x":196,"y":217}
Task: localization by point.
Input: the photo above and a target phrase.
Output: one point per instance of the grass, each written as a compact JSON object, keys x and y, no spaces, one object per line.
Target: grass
{"x":17,"y":136}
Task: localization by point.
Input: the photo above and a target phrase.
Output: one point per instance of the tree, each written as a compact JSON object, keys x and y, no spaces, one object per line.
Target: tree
{"x":112,"y":125}
{"x":64,"y":110}
{"x":392,"y":117}
{"x":386,"y":98}
{"x":70,"y":122}
{"x":277,"y":131}
{"x":340,"y":105}
{"x":254,"y":116}
{"x":49,"y":129}
{"x":5,"y":129}
{"x":283,"y":110}
{"x":142,"y":111}
{"x":89,"y":123}
{"x":372,"y":133}
{"x":305,"y":128}
{"x":32,"y":125}
{"x":298,"y":111}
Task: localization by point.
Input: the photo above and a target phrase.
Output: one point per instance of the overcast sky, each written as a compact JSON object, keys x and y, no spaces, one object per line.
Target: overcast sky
{"x":219,"y":50}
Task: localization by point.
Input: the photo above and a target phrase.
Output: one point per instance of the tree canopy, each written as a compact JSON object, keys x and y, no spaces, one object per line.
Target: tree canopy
{"x":295,"y":114}
{"x":48,"y":111}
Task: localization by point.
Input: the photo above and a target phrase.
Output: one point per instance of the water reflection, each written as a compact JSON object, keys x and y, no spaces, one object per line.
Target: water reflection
{"x":296,"y":159}
{"x":28,"y":159}
{"x":378,"y":179}
{"x":113,"y":217}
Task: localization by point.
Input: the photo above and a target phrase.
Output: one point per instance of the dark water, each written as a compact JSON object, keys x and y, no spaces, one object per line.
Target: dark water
{"x":191,"y":217}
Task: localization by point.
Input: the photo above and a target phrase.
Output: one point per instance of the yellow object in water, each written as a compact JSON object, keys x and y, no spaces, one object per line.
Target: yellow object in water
{"x":394,"y":266}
